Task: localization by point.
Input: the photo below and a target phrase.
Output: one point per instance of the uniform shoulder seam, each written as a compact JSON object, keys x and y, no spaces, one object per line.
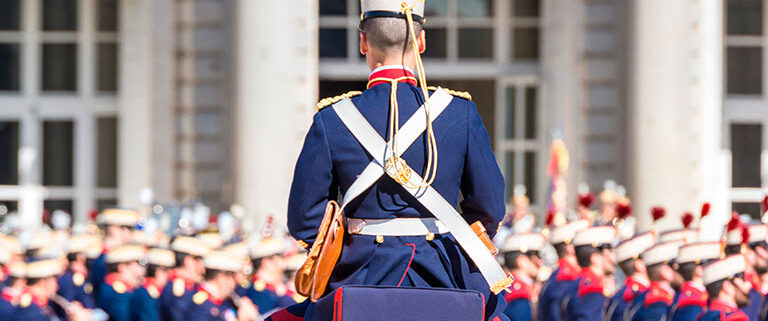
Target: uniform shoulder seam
{"x":325,"y":102}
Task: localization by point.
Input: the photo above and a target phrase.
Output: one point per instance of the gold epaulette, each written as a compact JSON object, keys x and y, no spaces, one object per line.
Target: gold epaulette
{"x":303,"y":244}
{"x":460,"y":94}
{"x":325,"y":102}
{"x":199,"y":297}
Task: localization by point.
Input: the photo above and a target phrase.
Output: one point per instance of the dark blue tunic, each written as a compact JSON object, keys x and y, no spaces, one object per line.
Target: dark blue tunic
{"x":331,"y":160}
{"x":144,"y":305}
{"x":554,"y":290}
{"x":73,"y":292}
{"x":115,"y":300}
{"x":173,"y":307}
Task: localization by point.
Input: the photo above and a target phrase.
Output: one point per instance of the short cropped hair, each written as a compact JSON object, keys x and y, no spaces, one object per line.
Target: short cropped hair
{"x":584,"y":254}
{"x":389,"y":35}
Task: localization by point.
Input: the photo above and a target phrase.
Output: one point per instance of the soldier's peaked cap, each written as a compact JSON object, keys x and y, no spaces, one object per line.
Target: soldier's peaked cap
{"x":391,"y":9}
{"x":595,"y":236}
{"x":566,"y":232}
{"x":723,"y":269}
{"x":632,"y":248}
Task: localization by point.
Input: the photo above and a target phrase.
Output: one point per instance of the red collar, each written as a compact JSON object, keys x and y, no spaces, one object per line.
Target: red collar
{"x":111,"y":278}
{"x":382,"y":74}
{"x":753,"y":279}
{"x":692,"y":293}
{"x":589,"y":282}
{"x":659,"y":292}
{"x":566,"y":271}
{"x":519,"y":289}
{"x":634,"y":285}
{"x":151,"y":282}
{"x":188,"y":284}
{"x":720,"y":305}
{"x":10,"y":294}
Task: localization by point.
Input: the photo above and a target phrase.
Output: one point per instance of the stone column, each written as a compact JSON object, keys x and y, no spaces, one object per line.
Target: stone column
{"x":276,"y":63}
{"x":144,"y":98}
{"x":675,"y":100}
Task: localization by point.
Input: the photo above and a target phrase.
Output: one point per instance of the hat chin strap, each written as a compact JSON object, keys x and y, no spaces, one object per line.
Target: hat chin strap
{"x":398,"y":171}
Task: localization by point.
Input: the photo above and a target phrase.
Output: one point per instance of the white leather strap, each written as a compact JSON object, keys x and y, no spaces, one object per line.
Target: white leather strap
{"x":428,"y":197}
{"x":407,"y":134}
{"x":396,"y":226}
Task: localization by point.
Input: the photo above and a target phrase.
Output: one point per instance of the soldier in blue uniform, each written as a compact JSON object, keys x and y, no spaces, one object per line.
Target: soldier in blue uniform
{"x":656,"y":302}
{"x":267,"y":291}
{"x":554,"y":289}
{"x":213,"y":300}
{"x":395,"y":239}
{"x":176,"y":296}
{"x":628,"y":256}
{"x":73,"y":284}
{"x":117,"y":223}
{"x":586,"y":300}
{"x":14,"y":286}
{"x":515,"y":251}
{"x":124,"y":277}
{"x":727,"y":289}
{"x":34,"y":303}
{"x":692,"y":298}
{"x":144,"y":300}
{"x":737,"y":242}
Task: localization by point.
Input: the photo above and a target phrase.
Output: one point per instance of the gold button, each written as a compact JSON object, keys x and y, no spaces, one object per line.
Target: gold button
{"x":430,"y":236}
{"x":379,"y":239}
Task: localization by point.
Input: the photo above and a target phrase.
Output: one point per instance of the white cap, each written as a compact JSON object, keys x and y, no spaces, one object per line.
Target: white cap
{"x":239,"y":249}
{"x":17,"y":269}
{"x":523,"y":242}
{"x":11,"y":243}
{"x":79,"y":243}
{"x":190,"y":245}
{"x":213,"y":240}
{"x":161,"y":257}
{"x":43,"y":269}
{"x":699,"y":252}
{"x":595,"y":236}
{"x":566,"y":232}
{"x":94,"y":250}
{"x":661,"y":253}
{"x":723,"y":269}
{"x":268,"y":247}
{"x":758,"y":233}
{"x":126,"y":253}
{"x":390,"y":8}
{"x":687,"y":235}
{"x":632,"y":248}
{"x":223,"y":261}
{"x":120,"y":217}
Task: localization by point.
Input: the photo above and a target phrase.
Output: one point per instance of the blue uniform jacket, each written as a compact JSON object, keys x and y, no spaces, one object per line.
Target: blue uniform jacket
{"x":115,"y":299}
{"x":31,"y":311}
{"x":755,"y":305}
{"x":554,"y":290}
{"x":173,"y":306}
{"x":205,"y":309}
{"x":618,"y":304}
{"x":74,"y":292}
{"x":144,"y":304}
{"x":585,"y":301}
{"x":655,"y":303}
{"x":720,"y":311}
{"x":6,"y":310}
{"x":331,"y":159}
{"x":690,"y":302}
{"x":98,"y":273}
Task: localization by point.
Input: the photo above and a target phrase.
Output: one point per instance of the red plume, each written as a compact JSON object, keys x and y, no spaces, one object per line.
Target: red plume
{"x":734,"y":223}
{"x":744,"y":234}
{"x":586,"y":200}
{"x":623,"y":210}
{"x":658,"y":213}
{"x":550,"y":217}
{"x":765,"y":204}
{"x":687,"y":219}
{"x":705,"y":209}
{"x":92,"y":213}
